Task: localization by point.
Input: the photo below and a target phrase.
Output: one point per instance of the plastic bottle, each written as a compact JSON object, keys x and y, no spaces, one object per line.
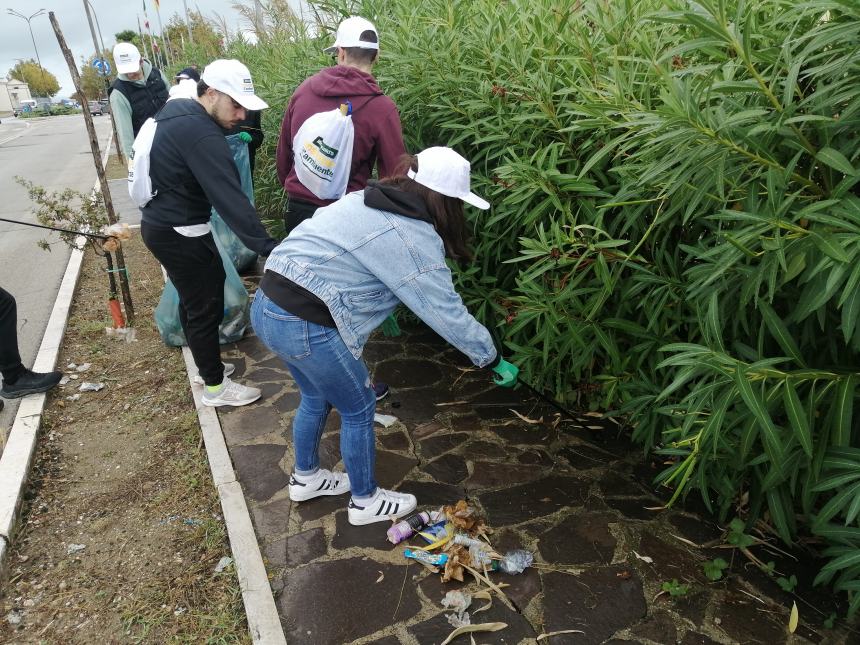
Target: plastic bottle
{"x":408,"y":527}
{"x":433,"y":559}
{"x":516,"y":561}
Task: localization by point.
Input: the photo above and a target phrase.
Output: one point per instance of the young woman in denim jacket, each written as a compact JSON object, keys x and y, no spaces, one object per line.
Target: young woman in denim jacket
{"x":334,"y":280}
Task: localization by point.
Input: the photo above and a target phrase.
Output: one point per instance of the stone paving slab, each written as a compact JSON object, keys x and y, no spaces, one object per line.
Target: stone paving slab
{"x":577,"y":494}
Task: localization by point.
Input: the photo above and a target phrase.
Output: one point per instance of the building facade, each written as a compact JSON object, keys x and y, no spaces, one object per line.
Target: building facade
{"x":12,"y":92}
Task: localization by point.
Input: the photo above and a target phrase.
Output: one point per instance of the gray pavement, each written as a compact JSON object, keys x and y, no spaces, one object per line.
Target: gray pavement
{"x":575,"y":492}
{"x":53,"y":152}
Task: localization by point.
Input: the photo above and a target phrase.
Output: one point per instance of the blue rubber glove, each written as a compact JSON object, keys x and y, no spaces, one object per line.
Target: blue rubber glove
{"x":506,"y":374}
{"x":390,"y":328}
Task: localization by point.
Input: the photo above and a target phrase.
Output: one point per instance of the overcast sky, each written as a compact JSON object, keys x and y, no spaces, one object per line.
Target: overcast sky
{"x":113,"y":15}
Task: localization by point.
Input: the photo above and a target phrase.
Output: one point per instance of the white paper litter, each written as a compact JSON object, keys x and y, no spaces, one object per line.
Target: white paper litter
{"x":223,"y":563}
{"x":385,"y":419}
{"x":75,"y":548}
{"x":91,"y":387}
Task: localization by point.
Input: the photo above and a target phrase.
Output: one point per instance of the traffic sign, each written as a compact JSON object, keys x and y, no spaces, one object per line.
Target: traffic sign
{"x":102,"y":66}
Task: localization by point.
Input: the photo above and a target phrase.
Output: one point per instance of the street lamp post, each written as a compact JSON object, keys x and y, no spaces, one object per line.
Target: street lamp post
{"x":12,"y":12}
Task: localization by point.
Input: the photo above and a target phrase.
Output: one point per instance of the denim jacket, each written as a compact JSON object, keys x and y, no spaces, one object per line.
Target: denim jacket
{"x":362,"y":261}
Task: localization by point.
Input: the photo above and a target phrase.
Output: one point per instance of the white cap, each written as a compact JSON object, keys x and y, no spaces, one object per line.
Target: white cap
{"x":233,"y":78}
{"x":127,"y":58}
{"x":445,"y":171}
{"x":349,"y":34}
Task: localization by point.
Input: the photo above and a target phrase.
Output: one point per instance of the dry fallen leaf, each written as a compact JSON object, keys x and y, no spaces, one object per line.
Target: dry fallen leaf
{"x":624,"y":575}
{"x":558,"y":633}
{"x":644,"y":558}
{"x":526,"y":419}
{"x":793,"y":618}
{"x":467,"y":629}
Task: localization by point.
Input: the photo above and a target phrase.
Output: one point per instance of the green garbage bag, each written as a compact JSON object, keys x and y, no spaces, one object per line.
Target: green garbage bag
{"x":240,"y":255}
{"x":236,"y":308}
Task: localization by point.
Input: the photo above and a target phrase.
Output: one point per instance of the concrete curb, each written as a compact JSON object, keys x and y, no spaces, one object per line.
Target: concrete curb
{"x":264,"y":622}
{"x":18,"y":453}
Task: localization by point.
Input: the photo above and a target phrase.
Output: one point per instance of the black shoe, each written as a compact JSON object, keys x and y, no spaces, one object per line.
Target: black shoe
{"x":30,"y":383}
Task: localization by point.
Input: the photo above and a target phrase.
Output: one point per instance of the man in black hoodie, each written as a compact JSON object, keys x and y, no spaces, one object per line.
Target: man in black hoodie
{"x":192,"y":171}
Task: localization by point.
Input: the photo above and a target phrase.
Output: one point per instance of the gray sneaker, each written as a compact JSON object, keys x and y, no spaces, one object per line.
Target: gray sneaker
{"x":230,"y":393}
{"x":229,"y":368}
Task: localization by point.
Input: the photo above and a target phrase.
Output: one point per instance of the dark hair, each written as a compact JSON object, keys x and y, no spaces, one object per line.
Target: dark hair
{"x":361,"y":55}
{"x":201,"y":88}
{"x":447,"y":212}
{"x":189,"y":72}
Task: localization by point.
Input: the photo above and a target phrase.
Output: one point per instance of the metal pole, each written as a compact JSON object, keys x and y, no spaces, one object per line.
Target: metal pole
{"x":12,"y":12}
{"x":99,"y":54}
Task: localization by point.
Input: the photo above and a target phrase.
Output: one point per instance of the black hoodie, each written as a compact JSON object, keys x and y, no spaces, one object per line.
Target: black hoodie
{"x":192,"y":170}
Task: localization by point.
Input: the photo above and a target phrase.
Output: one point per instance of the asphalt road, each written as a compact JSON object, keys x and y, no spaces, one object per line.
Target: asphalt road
{"x":53,"y":152}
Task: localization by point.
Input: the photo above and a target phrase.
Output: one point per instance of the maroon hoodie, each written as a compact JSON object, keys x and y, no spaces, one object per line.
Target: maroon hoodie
{"x":374,"y":118}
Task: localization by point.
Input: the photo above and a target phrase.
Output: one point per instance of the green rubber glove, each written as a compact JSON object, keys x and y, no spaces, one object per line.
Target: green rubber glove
{"x":390,"y":327}
{"x":506,"y":374}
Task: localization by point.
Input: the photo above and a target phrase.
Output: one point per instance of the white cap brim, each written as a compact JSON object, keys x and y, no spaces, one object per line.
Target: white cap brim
{"x":249,"y":101}
{"x":477,"y":202}
{"x":129,"y":68}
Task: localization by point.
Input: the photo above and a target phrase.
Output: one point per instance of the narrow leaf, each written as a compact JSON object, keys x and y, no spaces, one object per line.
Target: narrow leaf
{"x":835,"y":159}
{"x":830,"y":246}
{"x":797,"y":417}
{"x":780,"y":332}
{"x":755,"y":404}
{"x":844,"y":407}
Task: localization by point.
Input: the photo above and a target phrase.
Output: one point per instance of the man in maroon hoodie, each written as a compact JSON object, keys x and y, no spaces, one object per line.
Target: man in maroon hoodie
{"x":376,"y":122}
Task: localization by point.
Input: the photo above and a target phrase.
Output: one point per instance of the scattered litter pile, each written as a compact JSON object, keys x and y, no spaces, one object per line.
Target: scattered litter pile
{"x":458,"y":543}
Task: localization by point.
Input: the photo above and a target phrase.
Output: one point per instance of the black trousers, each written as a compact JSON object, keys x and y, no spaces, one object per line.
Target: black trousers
{"x":10,"y":359}
{"x":297,"y":212}
{"x":194,"y":266}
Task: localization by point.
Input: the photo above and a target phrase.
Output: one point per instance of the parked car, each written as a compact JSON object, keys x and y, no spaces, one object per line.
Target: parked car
{"x":96,"y":108}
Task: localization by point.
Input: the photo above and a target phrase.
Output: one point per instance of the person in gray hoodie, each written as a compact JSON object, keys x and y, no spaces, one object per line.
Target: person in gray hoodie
{"x":139,"y":91}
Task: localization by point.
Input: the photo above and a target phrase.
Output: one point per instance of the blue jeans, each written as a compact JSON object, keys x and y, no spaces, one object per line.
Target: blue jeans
{"x":328,"y":376}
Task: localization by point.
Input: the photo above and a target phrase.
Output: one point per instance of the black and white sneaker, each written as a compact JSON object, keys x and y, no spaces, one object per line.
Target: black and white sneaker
{"x":322,"y":482}
{"x":384,"y":505}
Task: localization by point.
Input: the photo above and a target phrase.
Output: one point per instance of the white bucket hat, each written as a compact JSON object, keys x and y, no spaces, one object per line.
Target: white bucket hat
{"x":349,"y":35}
{"x":127,"y":58}
{"x":443,"y":170}
{"x":233,"y":78}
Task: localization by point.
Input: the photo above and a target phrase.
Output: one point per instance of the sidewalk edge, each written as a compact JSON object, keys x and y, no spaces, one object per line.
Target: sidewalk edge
{"x":264,"y":623}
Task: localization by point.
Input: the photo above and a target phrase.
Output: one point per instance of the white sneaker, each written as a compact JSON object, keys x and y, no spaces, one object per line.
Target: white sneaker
{"x":384,"y":505}
{"x":230,"y":393}
{"x":229,"y":368}
{"x":322,"y":482}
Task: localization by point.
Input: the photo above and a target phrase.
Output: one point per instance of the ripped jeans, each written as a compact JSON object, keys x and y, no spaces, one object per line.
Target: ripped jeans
{"x":328,"y":376}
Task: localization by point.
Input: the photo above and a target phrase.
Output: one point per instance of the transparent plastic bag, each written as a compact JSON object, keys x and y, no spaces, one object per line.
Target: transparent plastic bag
{"x":240,"y":255}
{"x":236,"y":308}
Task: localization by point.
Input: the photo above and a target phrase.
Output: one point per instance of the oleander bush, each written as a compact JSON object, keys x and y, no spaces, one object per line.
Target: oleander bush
{"x":675,"y":231}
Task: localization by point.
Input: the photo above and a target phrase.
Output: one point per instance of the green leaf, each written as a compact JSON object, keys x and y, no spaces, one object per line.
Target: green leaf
{"x":780,"y":332}
{"x":830,"y":246}
{"x":842,"y":562}
{"x":797,"y":417}
{"x":755,"y":404}
{"x":843,"y":410}
{"x":836,"y":160}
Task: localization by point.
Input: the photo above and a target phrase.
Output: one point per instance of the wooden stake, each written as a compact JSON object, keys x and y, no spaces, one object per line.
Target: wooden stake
{"x":100,"y":171}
